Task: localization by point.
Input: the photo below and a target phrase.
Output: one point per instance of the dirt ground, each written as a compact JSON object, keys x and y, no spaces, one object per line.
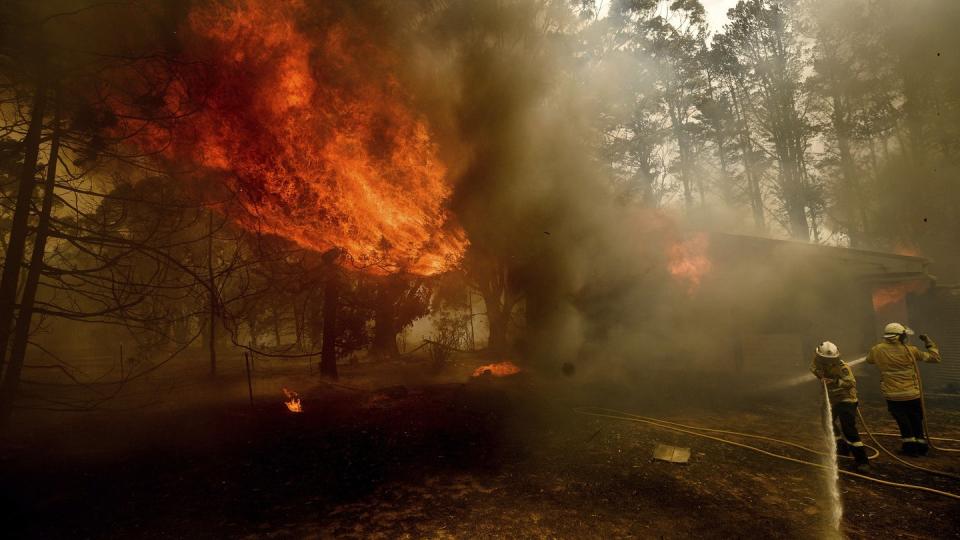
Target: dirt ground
{"x":459,"y":458}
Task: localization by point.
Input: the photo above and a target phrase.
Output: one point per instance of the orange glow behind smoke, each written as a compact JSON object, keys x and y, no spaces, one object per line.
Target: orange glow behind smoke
{"x":500,"y":369}
{"x":305,"y":121}
{"x":888,"y":295}
{"x":688,"y":260}
{"x":907,"y":250}
{"x":293,"y":401}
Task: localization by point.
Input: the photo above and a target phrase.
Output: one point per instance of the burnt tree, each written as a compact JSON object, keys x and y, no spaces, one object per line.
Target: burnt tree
{"x":331,"y":300}
{"x":11,"y":375}
{"x":17,"y":241}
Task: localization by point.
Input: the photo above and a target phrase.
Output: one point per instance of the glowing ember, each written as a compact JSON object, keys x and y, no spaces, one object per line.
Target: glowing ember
{"x":304,"y":120}
{"x":293,"y":401}
{"x":500,"y":369}
{"x":907,"y":250}
{"x":688,"y":260}
{"x":893,"y":293}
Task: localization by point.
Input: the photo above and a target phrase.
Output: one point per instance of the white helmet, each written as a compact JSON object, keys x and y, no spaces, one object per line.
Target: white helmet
{"x":828,"y":350}
{"x":896,"y":329}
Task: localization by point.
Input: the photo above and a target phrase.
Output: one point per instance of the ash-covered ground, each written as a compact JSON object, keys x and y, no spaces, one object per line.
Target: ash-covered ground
{"x":459,"y":457}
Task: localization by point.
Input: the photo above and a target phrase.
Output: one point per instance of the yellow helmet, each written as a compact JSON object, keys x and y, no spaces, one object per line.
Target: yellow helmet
{"x":896,"y":329}
{"x":828,"y":350}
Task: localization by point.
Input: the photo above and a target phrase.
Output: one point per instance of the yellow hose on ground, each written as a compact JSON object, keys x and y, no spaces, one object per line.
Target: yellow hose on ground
{"x":673,"y":426}
{"x":885,"y":434}
{"x":897,"y":458}
{"x":923,"y":407}
{"x":876,"y":452}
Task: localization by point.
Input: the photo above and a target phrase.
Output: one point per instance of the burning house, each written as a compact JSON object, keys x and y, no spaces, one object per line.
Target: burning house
{"x":787,"y":296}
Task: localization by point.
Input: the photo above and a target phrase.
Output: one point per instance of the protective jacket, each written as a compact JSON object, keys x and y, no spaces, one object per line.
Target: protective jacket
{"x":843,"y":385}
{"x":897,"y":363}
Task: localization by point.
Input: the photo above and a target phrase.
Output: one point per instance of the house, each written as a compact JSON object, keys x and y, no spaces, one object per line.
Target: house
{"x":773,"y":301}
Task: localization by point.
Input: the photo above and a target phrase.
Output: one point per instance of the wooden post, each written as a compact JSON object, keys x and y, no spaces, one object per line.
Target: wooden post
{"x":246,"y":357}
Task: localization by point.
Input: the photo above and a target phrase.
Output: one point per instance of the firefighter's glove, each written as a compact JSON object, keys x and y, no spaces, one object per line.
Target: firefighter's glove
{"x":925,"y":339}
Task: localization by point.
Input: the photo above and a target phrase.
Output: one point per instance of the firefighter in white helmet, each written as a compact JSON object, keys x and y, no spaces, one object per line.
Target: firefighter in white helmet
{"x":842,"y":390}
{"x":900,"y":383}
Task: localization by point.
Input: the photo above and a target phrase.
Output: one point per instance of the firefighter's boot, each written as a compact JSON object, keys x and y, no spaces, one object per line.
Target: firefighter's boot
{"x":922,"y":447}
{"x":843,"y":449}
{"x":861,"y":461}
{"x":909,"y":449}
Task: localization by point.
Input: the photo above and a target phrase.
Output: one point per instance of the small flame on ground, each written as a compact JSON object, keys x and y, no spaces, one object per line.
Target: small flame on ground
{"x":886,"y":295}
{"x":293,"y":401}
{"x":500,"y":369}
{"x":688,"y":260}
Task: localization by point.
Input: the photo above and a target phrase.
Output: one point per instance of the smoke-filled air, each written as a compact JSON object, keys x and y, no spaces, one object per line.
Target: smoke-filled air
{"x":480,"y":268}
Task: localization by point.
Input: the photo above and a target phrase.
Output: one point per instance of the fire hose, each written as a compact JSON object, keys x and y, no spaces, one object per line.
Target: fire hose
{"x":866,"y":427}
{"x":705,"y":433}
{"x":923,"y":407}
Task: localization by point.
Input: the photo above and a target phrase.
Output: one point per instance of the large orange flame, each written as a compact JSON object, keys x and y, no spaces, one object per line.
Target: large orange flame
{"x":306,"y":122}
{"x":892,"y":293}
{"x":688,"y":260}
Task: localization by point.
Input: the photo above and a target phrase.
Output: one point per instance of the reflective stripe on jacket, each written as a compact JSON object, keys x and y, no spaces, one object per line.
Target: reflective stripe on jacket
{"x":897,"y":363}
{"x":843,"y":387}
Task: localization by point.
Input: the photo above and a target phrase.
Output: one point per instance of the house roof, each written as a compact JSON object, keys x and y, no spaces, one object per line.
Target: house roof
{"x":868,"y":265}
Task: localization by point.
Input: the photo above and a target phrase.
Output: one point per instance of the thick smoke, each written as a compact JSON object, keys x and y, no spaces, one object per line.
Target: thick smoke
{"x":512,"y":102}
{"x":514,"y":110}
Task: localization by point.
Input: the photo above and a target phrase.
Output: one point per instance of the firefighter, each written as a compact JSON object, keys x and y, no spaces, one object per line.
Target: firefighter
{"x":842,"y":390}
{"x":900,"y":382}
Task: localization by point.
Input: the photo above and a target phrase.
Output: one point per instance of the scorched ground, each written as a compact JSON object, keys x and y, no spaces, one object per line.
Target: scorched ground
{"x":449,"y":456}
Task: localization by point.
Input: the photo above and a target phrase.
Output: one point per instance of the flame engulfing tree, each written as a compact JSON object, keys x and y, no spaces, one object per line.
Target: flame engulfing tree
{"x":320,"y":147}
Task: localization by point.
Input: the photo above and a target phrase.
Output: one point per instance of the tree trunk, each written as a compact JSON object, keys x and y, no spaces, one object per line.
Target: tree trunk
{"x":848,"y":169}
{"x":385,"y":334}
{"x":254,"y":329}
{"x":385,"y":318}
{"x":497,"y":320}
{"x":276,"y":326}
{"x":299,"y":321}
{"x":212,"y":290}
{"x":212,"y":337}
{"x":11,"y":380}
{"x":684,"y":149}
{"x":753,"y":180}
{"x":796,"y":209}
{"x":331,"y":299}
{"x":17,"y":241}
{"x":791,"y":183}
{"x":499,"y":307}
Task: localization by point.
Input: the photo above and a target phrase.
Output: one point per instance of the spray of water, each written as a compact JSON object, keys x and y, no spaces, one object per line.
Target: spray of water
{"x":788,"y":383}
{"x":833,"y":473}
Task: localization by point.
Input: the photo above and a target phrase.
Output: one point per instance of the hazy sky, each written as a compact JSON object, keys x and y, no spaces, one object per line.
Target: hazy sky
{"x":717,"y":12}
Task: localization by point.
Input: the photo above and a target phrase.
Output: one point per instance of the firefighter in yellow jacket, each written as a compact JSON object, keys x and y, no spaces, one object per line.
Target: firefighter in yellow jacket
{"x":842,"y":389}
{"x":900,"y":382}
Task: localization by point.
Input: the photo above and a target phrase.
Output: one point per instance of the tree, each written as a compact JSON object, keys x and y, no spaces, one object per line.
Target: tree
{"x":398,"y":301}
{"x":762,"y":37}
{"x":725,"y":114}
